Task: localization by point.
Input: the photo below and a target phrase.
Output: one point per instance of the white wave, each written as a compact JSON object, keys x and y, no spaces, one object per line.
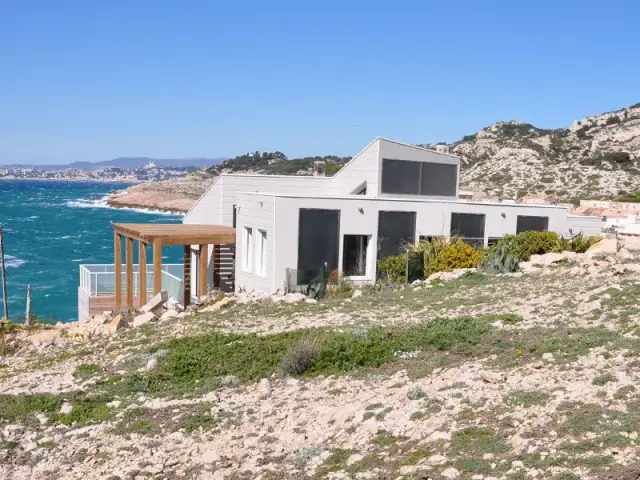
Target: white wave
{"x":102,"y":203}
{"x":13,"y":262}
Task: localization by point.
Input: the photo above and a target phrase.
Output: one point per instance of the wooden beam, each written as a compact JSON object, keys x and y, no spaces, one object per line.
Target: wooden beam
{"x":157,"y":266}
{"x":203,"y":256}
{"x":129,"y":254}
{"x":217,"y":263}
{"x":117,"y":268}
{"x":187,"y":275}
{"x":142,"y":260}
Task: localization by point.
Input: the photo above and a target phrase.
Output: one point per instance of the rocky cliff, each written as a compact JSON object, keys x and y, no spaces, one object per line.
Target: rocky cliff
{"x":596,"y":156}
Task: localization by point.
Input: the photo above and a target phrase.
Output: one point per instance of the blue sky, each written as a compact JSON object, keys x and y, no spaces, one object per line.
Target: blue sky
{"x":84,"y":80}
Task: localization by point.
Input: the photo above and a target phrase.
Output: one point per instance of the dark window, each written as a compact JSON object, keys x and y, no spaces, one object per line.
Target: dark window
{"x":469,"y":227}
{"x":234,"y":216}
{"x":354,"y":255}
{"x":395,"y":230}
{"x":527,"y":223}
{"x":438,"y":179}
{"x":419,"y":178}
{"x":318,"y":242}
{"x":400,"y":176}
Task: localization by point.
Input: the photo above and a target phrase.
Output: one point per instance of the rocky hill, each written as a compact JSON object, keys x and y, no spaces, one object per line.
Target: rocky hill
{"x":596,"y":156}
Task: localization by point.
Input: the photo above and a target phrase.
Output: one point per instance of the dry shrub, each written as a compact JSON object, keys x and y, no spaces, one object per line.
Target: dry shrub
{"x":300,"y":357}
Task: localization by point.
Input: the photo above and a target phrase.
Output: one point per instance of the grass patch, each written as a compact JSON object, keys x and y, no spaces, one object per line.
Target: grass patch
{"x":85,"y":410}
{"x":22,"y":408}
{"x":476,"y":441}
{"x":603,"y":379}
{"x":86,"y":370}
{"x":526,"y":398}
{"x":197,"y":363}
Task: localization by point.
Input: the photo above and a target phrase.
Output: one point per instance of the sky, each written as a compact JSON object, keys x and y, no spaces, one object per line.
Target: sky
{"x":88,"y":81}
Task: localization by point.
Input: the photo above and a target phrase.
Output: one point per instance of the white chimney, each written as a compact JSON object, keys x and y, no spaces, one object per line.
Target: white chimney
{"x":318,"y":168}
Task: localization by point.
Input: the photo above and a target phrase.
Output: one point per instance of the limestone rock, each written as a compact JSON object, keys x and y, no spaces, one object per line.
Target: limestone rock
{"x":587,"y":307}
{"x":451,"y":473}
{"x":117,"y":323}
{"x":143,"y":319}
{"x":157,"y":301}
{"x":632,"y":267}
{"x":606,"y":245}
{"x":492,"y":377}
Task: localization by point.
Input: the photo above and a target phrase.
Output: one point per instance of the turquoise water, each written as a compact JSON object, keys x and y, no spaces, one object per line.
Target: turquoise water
{"x":51,"y":228}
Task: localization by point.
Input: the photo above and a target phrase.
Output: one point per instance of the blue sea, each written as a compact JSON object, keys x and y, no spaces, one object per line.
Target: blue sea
{"x":51,"y":228}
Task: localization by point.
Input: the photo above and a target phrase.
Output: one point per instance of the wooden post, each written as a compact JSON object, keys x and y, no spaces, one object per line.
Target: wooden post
{"x":217,"y":262}
{"x":117,"y":268}
{"x":203,"y":266}
{"x":27,"y":317}
{"x":4,"y":275}
{"x":129,"y":254}
{"x":157,"y":266}
{"x":187,"y":275}
{"x":142,"y":260}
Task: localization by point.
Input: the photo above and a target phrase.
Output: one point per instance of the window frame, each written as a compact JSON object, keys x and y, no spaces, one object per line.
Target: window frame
{"x":474,"y":241}
{"x":367,"y":253}
{"x":261,"y":253}
{"x":247,"y":243}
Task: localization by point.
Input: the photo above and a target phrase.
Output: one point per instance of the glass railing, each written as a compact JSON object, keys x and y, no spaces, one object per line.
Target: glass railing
{"x":100,"y":281}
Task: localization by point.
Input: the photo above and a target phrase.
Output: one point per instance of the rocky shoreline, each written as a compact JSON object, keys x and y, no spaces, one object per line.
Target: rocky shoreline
{"x":175,"y":196}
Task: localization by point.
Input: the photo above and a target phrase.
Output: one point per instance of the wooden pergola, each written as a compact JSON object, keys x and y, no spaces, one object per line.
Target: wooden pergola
{"x":160,"y":235}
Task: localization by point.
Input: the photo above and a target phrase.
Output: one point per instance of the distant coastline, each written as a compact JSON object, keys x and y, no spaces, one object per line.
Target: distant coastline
{"x":79,"y":180}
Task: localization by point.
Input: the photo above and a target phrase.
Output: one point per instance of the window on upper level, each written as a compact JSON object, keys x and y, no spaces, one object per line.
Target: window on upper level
{"x":407,"y":177}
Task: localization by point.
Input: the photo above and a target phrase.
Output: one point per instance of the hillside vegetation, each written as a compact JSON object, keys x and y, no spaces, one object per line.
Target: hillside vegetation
{"x":277,"y":163}
{"x":594,"y":157}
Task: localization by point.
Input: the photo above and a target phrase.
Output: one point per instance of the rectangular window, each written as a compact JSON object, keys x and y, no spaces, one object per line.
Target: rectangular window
{"x":419,"y":178}
{"x":318,"y":243}
{"x":248,"y":249}
{"x":395,"y":231}
{"x":234,"y":216}
{"x":354,"y":255}
{"x":469,"y":227}
{"x":493,"y":240}
{"x":261,"y":253}
{"x":527,"y":223}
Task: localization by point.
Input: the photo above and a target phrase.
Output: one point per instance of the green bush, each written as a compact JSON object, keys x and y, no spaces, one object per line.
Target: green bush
{"x":525,"y":244}
{"x":499,"y":260}
{"x":392,"y":269}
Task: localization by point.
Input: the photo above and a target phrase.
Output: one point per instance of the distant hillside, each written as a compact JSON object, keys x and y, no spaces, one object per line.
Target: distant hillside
{"x":130,"y":162}
{"x":594,"y":157}
{"x":277,"y":163}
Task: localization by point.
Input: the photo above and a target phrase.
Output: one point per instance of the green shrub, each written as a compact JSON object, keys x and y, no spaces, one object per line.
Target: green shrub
{"x":344,"y":288}
{"x":456,"y":254}
{"x":392,"y":269}
{"x":499,"y":260}
{"x":525,"y":244}
{"x":581,"y":244}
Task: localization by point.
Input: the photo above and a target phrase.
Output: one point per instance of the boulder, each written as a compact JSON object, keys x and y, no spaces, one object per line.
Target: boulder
{"x":630,"y":242}
{"x":604,"y":246}
{"x":587,"y":307}
{"x":158,"y":301}
{"x":169,"y":314}
{"x":117,"y":323}
{"x":492,"y":377}
{"x":624,"y":254}
{"x":143,"y":319}
{"x":632,"y":267}
{"x":618,"y":269}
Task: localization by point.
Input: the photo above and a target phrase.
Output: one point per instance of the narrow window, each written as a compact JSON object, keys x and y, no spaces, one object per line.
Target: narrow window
{"x":354,"y":255}
{"x":261,"y":253}
{"x":234,"y":216}
{"x":248,"y":249}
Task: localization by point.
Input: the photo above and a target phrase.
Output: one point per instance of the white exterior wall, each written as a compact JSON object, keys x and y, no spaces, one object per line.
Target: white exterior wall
{"x":362,"y":168}
{"x":256,"y":211}
{"x":586,"y":224}
{"x":433,"y":218}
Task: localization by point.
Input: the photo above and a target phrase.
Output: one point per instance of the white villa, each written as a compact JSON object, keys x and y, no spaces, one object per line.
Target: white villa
{"x":388,"y":194}
{"x":289,"y":228}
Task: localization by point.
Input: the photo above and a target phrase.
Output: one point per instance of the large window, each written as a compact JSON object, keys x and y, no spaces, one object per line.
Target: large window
{"x":318,"y":242}
{"x":419,"y":178}
{"x":247,"y":243}
{"x":469,"y":227}
{"x":395,"y":231}
{"x":354,"y":255}
{"x":261,"y":253}
{"x":527,"y":223}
